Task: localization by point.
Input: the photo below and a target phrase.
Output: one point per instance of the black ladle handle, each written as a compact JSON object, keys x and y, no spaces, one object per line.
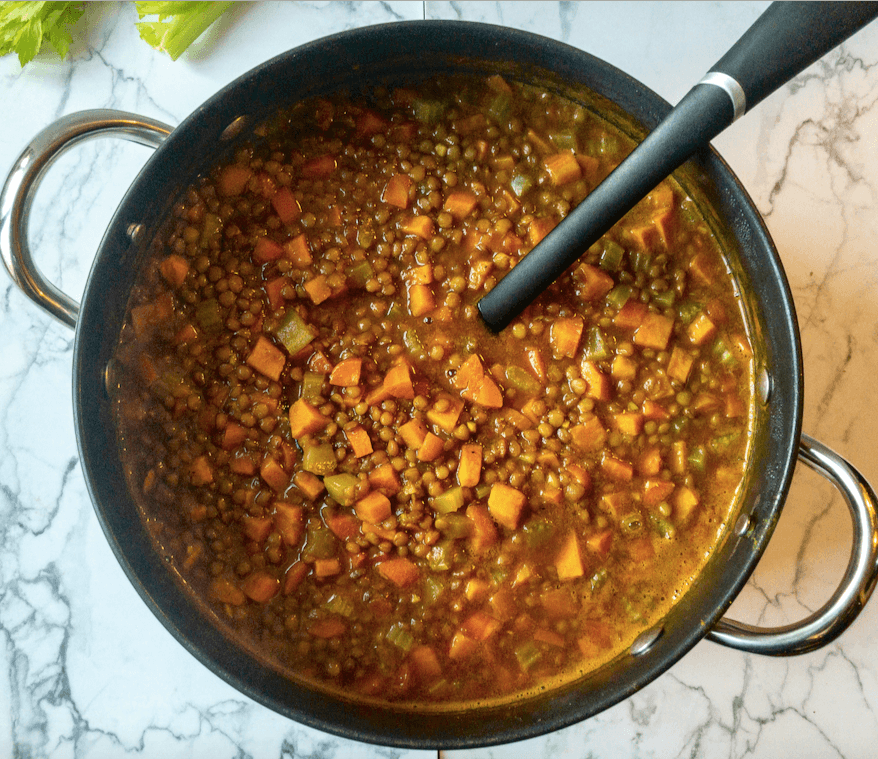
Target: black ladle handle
{"x":783,"y":41}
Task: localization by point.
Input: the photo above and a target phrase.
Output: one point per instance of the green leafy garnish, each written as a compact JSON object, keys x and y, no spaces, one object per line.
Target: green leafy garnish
{"x":24,"y":27}
{"x":179,"y":23}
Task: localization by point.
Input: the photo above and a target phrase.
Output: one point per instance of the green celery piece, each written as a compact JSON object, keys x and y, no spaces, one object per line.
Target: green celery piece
{"x":312,"y":387}
{"x":611,"y":257}
{"x":342,"y":487}
{"x":412,"y":342}
{"x":26,"y":26}
{"x":428,"y":111}
{"x":619,"y":295}
{"x":212,"y":227}
{"x":596,"y":346}
{"x":522,"y":379}
{"x":697,"y":458}
{"x":498,"y":108}
{"x":455,"y":526}
{"x":340,"y":604}
{"x":566,"y":140}
{"x":400,"y":636}
{"x":209,"y":315}
{"x":537,"y":533}
{"x":450,"y":500}
{"x":521,"y":183}
{"x":294,"y":332}
{"x":664,"y":299}
{"x":433,"y":588}
{"x":688,"y":310}
{"x":439,"y":557}
{"x":179,"y":23}
{"x":320,"y":543}
{"x":359,"y":274}
{"x":319,"y":459}
{"x":527,"y":654}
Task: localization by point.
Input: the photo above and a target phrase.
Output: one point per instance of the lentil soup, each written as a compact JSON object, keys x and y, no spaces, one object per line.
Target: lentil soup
{"x":361,"y":482}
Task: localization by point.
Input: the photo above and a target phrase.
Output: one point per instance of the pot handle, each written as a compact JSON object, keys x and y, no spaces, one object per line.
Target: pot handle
{"x":834,"y":617}
{"x":24,"y":179}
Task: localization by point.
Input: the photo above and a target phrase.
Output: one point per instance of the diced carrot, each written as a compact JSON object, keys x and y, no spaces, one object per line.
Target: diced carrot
{"x":257,"y":529}
{"x":431,"y":449}
{"x":590,"y":167}
{"x":685,"y":501}
{"x":616,"y":469}
{"x":735,"y":406}
{"x":419,"y":275}
{"x":288,"y":520}
{"x":629,"y":422}
{"x":396,"y":191}
{"x":598,"y":382}
{"x":645,"y":236}
{"x":319,"y":364}
{"x":478,"y":274}
{"x":479,"y":626}
{"x":469,"y":468}
{"x":305,"y":419}
{"x":413,"y":432}
{"x":298,"y":251}
{"x":273,"y":289}
{"x":200,"y":472}
{"x":631,"y":315}
{"x":263,"y":184}
{"x":386,"y":479}
{"x":398,"y":382}
{"x":522,"y":575}
{"x":425,"y":662}
{"x":286,"y":205}
{"x":563,"y":168}
{"x":654,"y":411}
{"x":654,"y":331}
{"x":320,"y":167}
{"x":460,"y":204}
{"x":174,"y":269}
{"x":484,"y":533}
{"x":346,"y":373}
{"x":701,"y":329}
{"x":274,"y":475}
{"x":461,"y":647}
{"x":374,"y":508}
{"x":544,"y":635}
{"x":498,"y":83}
{"x":580,"y":474}
{"x":623,"y":368}
{"x":475,"y":385}
{"x":267,"y":359}
{"x":568,"y":562}
{"x":400,"y":571}
{"x":343,"y":525}
{"x":680,"y":364}
{"x":311,"y":485}
{"x":233,"y":180}
{"x":446,"y":419}
{"x":564,"y":336}
{"x":650,"y":462}
{"x":421,"y":300}
{"x":360,"y":442}
{"x":701,"y":267}
{"x":539,"y":228}
{"x":420,"y":226}
{"x":327,"y":567}
{"x":617,"y":504}
{"x":506,"y":504}
{"x":294,"y":576}
{"x":266,"y":250}
{"x":473,"y":123}
{"x":589,"y":436}
{"x":260,"y":586}
{"x":243,"y":463}
{"x":328,"y":627}
{"x":656,"y":491}
{"x":600,"y":542}
{"x":640,"y":549}
{"x":595,"y":283}
{"x":318,"y":289}
{"x":369,"y":123}
{"x":664,"y":223}
{"x":233,"y":435}
{"x":225,"y":592}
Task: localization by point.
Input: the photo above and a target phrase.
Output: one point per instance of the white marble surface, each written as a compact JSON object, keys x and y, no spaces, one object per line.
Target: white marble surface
{"x":86,"y":671}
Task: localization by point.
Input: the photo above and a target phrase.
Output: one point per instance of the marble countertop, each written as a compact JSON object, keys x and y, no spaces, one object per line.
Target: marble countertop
{"x":87,"y":671}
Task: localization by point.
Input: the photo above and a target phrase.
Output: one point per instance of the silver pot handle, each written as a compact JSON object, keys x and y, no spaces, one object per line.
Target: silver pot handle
{"x":24,"y":179}
{"x":856,"y":586}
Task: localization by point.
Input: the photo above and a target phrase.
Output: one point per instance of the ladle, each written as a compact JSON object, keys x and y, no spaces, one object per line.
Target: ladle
{"x":784,"y":40}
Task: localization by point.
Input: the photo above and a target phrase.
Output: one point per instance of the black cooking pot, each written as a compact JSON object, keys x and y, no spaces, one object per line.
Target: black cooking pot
{"x":399,"y":54}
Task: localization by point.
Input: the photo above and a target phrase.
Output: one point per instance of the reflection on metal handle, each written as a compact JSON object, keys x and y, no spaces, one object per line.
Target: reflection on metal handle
{"x":24,"y":179}
{"x":856,"y":586}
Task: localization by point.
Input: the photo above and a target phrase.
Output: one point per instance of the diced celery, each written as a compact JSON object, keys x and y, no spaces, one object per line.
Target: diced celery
{"x":697,"y":458}
{"x":527,"y":654}
{"x":320,"y":543}
{"x":433,"y":588}
{"x":537,"y":533}
{"x":412,"y":342}
{"x":619,"y":295}
{"x":396,"y":310}
{"x":449,"y":501}
{"x":312,"y":386}
{"x":360,"y":273}
{"x":566,"y":140}
{"x":664,"y":299}
{"x":688,"y":310}
{"x":522,"y":379}
{"x":631,"y":524}
{"x":598,"y":578}
{"x":611,"y":256}
{"x":340,"y":604}
{"x":498,"y":108}
{"x":400,"y":636}
{"x":722,"y":352}
{"x":521,"y":183}
{"x":294,"y":333}
{"x":319,"y":459}
{"x":663,"y":526}
{"x":212,"y":227}
{"x":596,"y":345}
{"x":608,"y":144}
{"x":721,"y":443}
{"x":454,"y":526}
{"x":439,"y":557}
{"x":428,"y":111}
{"x":483,"y":490}
{"x":641,"y":259}
{"x":209,"y":316}
{"x":342,"y":487}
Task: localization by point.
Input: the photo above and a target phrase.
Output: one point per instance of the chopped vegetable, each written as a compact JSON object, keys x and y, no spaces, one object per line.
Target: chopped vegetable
{"x":179,"y":24}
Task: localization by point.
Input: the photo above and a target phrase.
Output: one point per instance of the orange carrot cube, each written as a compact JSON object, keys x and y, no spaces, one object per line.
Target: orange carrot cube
{"x":506,"y":504}
{"x":267,"y":359}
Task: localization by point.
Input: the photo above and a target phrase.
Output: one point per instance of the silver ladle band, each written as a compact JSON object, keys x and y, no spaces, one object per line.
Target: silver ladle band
{"x":732,"y":88}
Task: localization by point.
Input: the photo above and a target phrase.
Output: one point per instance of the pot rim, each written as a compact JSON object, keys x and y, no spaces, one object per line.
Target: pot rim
{"x":332,"y":56}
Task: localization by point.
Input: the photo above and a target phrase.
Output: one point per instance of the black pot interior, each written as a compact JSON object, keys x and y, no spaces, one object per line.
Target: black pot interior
{"x":397,"y":53}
